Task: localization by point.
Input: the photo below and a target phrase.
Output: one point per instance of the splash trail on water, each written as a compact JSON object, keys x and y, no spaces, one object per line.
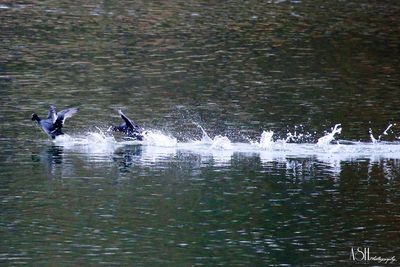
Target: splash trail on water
{"x":158,"y":145}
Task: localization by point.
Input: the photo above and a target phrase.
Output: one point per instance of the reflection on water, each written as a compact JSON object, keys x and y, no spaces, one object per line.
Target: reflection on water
{"x":290,"y":68}
{"x":192,"y":209}
{"x":298,"y":160}
{"x":129,"y":158}
{"x":50,"y":158}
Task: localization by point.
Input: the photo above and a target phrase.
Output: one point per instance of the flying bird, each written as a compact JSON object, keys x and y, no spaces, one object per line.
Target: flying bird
{"x":55,"y":120}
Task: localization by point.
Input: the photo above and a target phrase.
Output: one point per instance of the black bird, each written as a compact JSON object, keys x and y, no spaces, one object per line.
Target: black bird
{"x":55,"y":120}
{"x":129,"y":127}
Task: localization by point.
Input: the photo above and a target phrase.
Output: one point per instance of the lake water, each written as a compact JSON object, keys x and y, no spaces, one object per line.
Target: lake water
{"x":242,"y":164}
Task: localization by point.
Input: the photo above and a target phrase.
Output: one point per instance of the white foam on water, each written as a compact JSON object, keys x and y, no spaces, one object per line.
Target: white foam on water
{"x":157,"y":138}
{"x":158,"y":146}
{"x":92,"y":143}
{"x":221,"y":143}
{"x":266,"y":140}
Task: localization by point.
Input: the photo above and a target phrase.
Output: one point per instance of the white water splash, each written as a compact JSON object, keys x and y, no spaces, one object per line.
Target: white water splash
{"x":205,"y":139}
{"x":373,"y":139}
{"x":385,"y":132}
{"x":157,"y":138}
{"x":328,"y":138}
{"x":92,"y":142}
{"x":221,"y":143}
{"x":158,"y":146}
{"x":266,"y":141}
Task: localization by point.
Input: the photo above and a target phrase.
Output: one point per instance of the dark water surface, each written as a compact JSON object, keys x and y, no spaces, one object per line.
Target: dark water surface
{"x":236,"y":68}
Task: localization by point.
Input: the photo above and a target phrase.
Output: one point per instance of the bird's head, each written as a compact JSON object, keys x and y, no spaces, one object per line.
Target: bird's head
{"x":35,"y":117}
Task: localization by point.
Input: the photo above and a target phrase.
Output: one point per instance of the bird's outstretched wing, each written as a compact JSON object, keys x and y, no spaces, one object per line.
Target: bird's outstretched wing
{"x":64,"y":114}
{"x":52,"y":114}
{"x":131,"y":124}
